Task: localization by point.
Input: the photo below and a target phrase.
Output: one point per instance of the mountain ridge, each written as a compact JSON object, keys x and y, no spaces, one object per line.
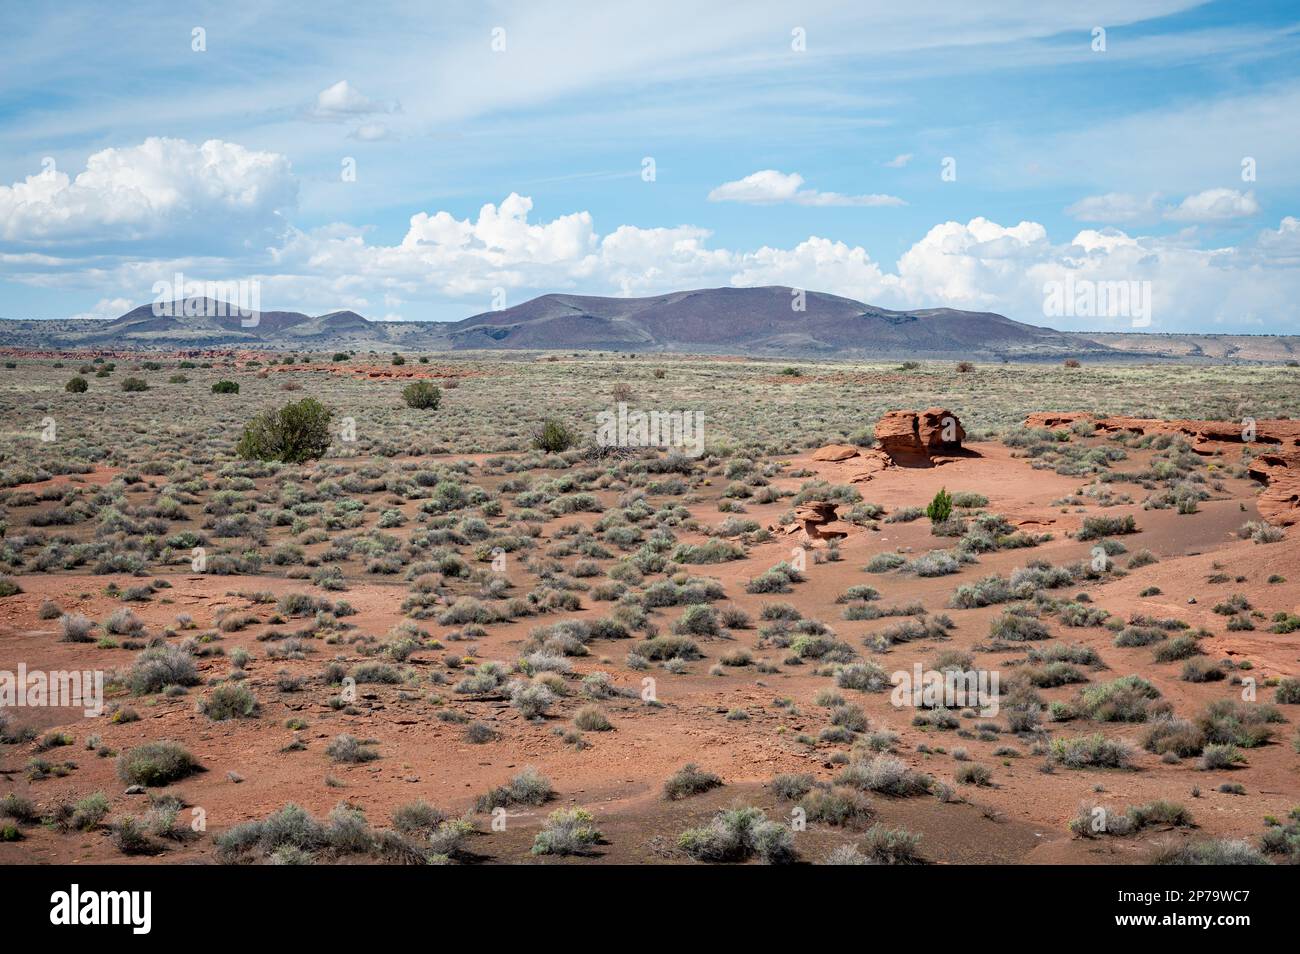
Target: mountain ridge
{"x":762,"y":321}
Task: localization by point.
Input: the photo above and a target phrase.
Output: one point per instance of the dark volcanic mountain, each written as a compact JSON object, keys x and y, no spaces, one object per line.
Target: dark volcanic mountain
{"x":756,"y":321}
{"x":742,"y":321}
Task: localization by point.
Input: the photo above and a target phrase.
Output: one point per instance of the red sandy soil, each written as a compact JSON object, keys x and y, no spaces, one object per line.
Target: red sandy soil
{"x":402,"y":372}
{"x":1022,"y":818}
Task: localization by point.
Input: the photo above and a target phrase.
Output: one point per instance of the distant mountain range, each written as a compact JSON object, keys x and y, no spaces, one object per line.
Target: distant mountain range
{"x":767,"y":322}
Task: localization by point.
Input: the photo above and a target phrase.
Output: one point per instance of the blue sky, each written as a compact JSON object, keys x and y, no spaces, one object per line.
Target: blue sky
{"x":499,"y":152}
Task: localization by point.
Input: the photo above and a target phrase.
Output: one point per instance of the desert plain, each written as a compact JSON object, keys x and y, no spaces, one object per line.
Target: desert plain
{"x":463,"y":636}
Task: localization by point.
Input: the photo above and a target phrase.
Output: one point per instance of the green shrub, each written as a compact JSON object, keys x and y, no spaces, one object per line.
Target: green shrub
{"x":1094,"y":528}
{"x":1218,"y":851}
{"x":230,"y":701}
{"x":940,"y":508}
{"x":891,"y":846}
{"x":553,"y":437}
{"x":76,"y":385}
{"x":155,"y":763}
{"x":739,"y":834}
{"x":568,"y":831}
{"x":689,"y":780}
{"x":591,"y":719}
{"x":422,"y":395}
{"x":225,"y":387}
{"x":1288,"y":691}
{"x":348,"y":749}
{"x":295,"y":433}
{"x":1091,"y":751}
{"x":90,"y":811}
{"x":529,"y":787}
{"x":134,"y":384}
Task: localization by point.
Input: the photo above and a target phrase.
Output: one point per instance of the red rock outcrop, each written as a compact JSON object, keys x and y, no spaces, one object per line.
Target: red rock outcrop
{"x":913,"y":435}
{"x":1278,"y":467}
{"x":866,"y":465}
{"x":816,"y":521}
{"x":1055,"y":419}
{"x":1203,"y":433}
{"x":1279,"y":501}
{"x":835,"y":452}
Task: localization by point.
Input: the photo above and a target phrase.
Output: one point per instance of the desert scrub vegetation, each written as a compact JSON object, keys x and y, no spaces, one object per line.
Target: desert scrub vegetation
{"x":292,"y":836}
{"x":1126,"y":699}
{"x":422,"y":395}
{"x":529,"y":787}
{"x":739,"y":834}
{"x":1093,"y":820}
{"x":230,"y":701}
{"x":1214,"y":851}
{"x":837,"y":805}
{"x":160,"y":667}
{"x":1261,"y":532}
{"x":1095,"y":528}
{"x":568,"y":831}
{"x":778,"y":579}
{"x":348,"y":749}
{"x":690,"y":780}
{"x":885,"y":775}
{"x":156,"y":763}
{"x":1091,"y":751}
{"x":880,"y":846}
{"x":293,"y":434}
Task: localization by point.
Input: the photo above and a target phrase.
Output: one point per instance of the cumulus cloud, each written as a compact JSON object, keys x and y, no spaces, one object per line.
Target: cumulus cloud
{"x":217,"y":193}
{"x":1210,"y":206}
{"x":1116,"y":207}
{"x":768,"y":186}
{"x":1215,"y":205}
{"x":974,"y":265}
{"x":818,"y":264}
{"x":979,"y":264}
{"x":343,"y":101}
{"x":108,"y":308}
{"x":164,"y":187}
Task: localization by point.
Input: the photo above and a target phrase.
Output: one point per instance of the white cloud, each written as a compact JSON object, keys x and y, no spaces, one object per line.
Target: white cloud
{"x":979,"y":264}
{"x":1215,"y":205}
{"x":164,"y":187}
{"x":1210,"y":206}
{"x":1116,"y":207}
{"x":768,"y":186}
{"x":217,"y":193}
{"x":343,"y":101}
{"x":108,"y":308}
{"x":974,"y":265}
{"x":899,"y":161}
{"x":820,"y":265}
{"x":372,"y":132}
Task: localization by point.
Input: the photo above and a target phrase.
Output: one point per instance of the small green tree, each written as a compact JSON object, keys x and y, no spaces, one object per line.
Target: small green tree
{"x":423,"y":395}
{"x":340,"y":356}
{"x":398,"y":359}
{"x":295,"y":433}
{"x":553,"y":437}
{"x":225,"y":387}
{"x":940,"y":508}
{"x":76,"y":385}
{"x":134,"y":384}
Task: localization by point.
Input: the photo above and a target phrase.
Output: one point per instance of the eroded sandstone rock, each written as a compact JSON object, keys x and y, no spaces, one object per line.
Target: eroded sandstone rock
{"x":919,"y":434}
{"x":816,"y":521}
{"x":1277,"y":467}
{"x":835,"y":452}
